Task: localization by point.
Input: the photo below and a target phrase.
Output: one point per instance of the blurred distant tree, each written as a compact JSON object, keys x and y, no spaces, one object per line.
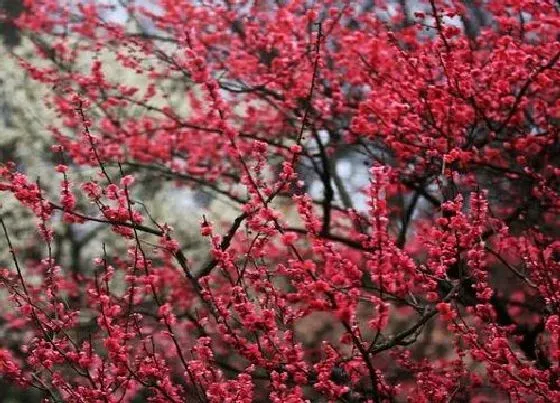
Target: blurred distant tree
{"x":9,"y":31}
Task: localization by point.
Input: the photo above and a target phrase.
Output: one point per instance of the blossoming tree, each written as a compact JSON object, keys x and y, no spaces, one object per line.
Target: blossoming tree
{"x":438,"y":281}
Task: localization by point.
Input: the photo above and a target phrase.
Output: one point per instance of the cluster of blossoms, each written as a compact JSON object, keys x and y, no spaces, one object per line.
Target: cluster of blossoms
{"x":444,"y":286}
